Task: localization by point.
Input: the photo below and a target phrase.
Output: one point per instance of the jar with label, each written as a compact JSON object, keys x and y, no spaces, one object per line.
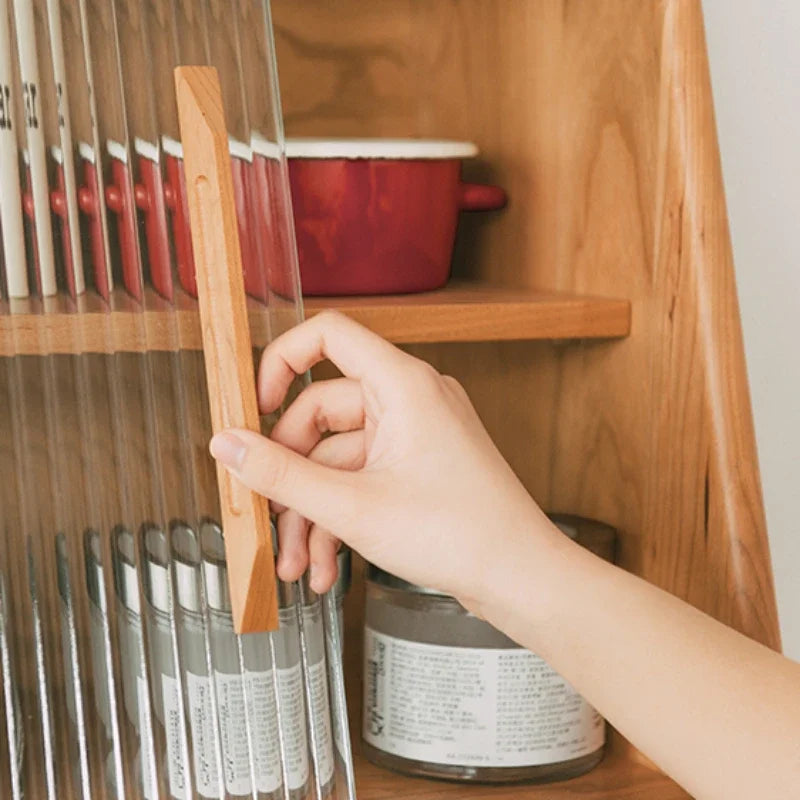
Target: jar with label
{"x":246,"y":685}
{"x":317,"y":697}
{"x":98,"y":636}
{"x":344,"y":578}
{"x":205,"y":741}
{"x":16,"y":749}
{"x":78,"y":689}
{"x":162,"y":661}
{"x":98,"y":629}
{"x":446,"y":695}
{"x":132,"y":657}
{"x":10,"y":697}
{"x":286,"y":649}
{"x":69,"y":639}
{"x":333,"y":624}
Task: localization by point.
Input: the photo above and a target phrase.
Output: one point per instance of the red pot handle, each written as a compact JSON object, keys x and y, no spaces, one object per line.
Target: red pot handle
{"x":481,"y":197}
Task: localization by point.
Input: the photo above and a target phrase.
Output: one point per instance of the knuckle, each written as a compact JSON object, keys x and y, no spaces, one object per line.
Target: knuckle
{"x":329,"y":318}
{"x":425,"y":375}
{"x":451,"y":382}
{"x":455,"y":387}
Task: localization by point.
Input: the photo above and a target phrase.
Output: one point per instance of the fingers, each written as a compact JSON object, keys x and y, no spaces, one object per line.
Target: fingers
{"x":343,"y":451}
{"x":322,"y":549}
{"x":299,"y":550}
{"x":292,"y":545}
{"x":327,"y":496}
{"x":335,"y":405}
{"x":356,"y":351}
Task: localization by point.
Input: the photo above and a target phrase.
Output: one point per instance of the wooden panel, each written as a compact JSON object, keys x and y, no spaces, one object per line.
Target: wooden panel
{"x":656,"y":437}
{"x":603,"y":135}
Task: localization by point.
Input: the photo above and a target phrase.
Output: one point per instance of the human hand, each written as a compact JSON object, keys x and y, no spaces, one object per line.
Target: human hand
{"x":409,"y":477}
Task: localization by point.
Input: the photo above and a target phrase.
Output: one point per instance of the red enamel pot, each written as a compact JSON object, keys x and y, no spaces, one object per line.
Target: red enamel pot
{"x":379,"y":216}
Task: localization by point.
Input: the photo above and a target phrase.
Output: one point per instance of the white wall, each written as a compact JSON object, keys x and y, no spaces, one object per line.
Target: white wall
{"x":755,"y":71}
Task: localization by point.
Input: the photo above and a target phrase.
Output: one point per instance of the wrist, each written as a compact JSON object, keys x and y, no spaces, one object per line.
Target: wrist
{"x":522,"y":578}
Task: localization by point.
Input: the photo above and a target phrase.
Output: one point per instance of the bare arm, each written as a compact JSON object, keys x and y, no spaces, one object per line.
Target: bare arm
{"x":409,"y":469}
{"x":715,"y":710}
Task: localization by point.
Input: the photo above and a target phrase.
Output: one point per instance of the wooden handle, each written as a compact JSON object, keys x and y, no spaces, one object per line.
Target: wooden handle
{"x":226,"y":339}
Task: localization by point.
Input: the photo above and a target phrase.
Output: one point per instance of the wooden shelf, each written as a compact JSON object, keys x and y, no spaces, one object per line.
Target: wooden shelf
{"x":464,"y":313}
{"x":457,"y":313}
{"x":615,"y":778}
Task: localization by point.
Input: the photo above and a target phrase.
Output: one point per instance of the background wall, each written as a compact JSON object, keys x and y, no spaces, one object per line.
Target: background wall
{"x":755,"y":71}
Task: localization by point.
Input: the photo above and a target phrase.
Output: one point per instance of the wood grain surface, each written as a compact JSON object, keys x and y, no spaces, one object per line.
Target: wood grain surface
{"x":597,"y":118}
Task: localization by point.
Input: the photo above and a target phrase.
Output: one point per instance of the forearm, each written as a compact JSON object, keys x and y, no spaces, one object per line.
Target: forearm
{"x":717,"y":711}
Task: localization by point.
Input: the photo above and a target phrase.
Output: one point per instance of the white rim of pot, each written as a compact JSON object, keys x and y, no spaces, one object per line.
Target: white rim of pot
{"x":388,"y":149}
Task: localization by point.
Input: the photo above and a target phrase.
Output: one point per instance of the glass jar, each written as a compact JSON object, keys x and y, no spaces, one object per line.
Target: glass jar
{"x":98,"y":629}
{"x":162,"y":661}
{"x":446,"y":695}
{"x":16,"y":750}
{"x":194,"y":663}
{"x":10,"y":697}
{"x":344,"y":579}
{"x":286,"y":649}
{"x":98,"y":635}
{"x":132,"y":656}
{"x":317,"y":697}
{"x":246,"y":685}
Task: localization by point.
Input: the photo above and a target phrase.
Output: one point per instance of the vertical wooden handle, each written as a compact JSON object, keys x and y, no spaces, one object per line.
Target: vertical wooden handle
{"x":226,"y":339}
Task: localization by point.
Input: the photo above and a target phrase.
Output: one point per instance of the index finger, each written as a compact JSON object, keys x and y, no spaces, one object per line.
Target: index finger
{"x":355,"y":350}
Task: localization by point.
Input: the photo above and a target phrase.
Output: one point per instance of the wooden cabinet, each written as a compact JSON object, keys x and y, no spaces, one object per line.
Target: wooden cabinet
{"x":598,"y":120}
{"x":594,"y":322}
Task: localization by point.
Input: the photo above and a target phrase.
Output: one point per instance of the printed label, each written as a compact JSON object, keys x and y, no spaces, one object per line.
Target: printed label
{"x":478,"y":707}
{"x":264,"y":719}
{"x":173,"y":731}
{"x":146,"y":753}
{"x":201,"y":721}
{"x":293,"y":725}
{"x":321,"y":720}
{"x":233,"y":731}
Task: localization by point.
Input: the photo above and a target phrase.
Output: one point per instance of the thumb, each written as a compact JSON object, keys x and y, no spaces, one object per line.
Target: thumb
{"x":321,"y":494}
